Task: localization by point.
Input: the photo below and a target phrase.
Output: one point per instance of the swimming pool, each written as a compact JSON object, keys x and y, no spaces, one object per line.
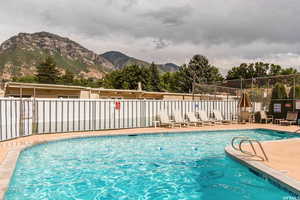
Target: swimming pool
{"x":189,"y":165}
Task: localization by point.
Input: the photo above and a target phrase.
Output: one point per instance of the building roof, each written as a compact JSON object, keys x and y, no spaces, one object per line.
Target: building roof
{"x":71,"y":87}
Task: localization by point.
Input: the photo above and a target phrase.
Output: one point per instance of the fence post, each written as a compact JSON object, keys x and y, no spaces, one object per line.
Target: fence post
{"x":21,"y":122}
{"x":143,"y":113}
{"x":34,"y":123}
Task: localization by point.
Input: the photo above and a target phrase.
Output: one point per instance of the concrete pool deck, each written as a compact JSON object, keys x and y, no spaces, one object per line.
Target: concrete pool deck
{"x":284,"y":156}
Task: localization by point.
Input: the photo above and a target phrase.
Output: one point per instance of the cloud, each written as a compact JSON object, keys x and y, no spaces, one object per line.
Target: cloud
{"x":170,"y":16}
{"x":227,"y":32}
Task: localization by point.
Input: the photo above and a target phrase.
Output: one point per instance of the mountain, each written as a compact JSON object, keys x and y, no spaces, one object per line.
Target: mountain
{"x":120,"y":60}
{"x":20,"y":55}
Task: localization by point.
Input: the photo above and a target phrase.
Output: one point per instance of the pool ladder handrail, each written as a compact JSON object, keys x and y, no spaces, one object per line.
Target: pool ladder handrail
{"x":250,"y":141}
{"x":297,"y":131}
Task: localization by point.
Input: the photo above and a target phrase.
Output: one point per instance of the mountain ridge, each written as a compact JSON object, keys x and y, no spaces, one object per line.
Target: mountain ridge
{"x":120,"y":60}
{"x":20,"y":54}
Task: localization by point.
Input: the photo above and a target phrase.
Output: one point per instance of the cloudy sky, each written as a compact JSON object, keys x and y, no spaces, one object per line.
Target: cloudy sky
{"x":228,"y":32}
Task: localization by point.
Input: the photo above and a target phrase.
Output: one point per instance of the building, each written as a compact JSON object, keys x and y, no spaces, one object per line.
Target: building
{"x":34,"y":90}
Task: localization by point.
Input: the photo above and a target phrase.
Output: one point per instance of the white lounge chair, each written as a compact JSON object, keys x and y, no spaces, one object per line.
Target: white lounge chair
{"x":179,"y":119}
{"x":265,"y":117}
{"x":204,"y":118}
{"x":193,"y":119}
{"x":291,"y":118}
{"x":165,"y":120}
{"x":218,"y":116}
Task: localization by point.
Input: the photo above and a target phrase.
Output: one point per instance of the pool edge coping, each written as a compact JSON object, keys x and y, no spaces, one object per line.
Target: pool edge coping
{"x":10,"y":161}
{"x":267,"y":172}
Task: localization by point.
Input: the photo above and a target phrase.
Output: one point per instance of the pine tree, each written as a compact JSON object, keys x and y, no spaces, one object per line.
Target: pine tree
{"x":295,"y":90}
{"x":68,"y":77}
{"x":279,"y":91}
{"x":154,"y":79}
{"x":47,"y":72}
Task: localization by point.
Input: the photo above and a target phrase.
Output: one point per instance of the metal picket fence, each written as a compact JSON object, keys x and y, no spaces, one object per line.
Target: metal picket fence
{"x":23,"y":117}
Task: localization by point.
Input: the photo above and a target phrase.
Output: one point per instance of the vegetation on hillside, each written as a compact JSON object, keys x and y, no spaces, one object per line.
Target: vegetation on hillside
{"x":185,"y":80}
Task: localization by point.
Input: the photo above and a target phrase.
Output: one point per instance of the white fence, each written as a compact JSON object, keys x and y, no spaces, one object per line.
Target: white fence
{"x":21,"y":117}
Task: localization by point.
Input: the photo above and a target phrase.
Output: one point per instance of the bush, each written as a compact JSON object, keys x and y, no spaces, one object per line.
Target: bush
{"x":279,"y":91}
{"x":297,"y":92}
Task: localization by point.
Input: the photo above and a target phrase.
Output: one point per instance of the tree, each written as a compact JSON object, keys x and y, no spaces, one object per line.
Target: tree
{"x":47,"y":72}
{"x":128,"y":78}
{"x":154,"y":79}
{"x":258,"y":69}
{"x":197,"y":71}
{"x":279,"y":91}
{"x":295,"y":90}
{"x":132,"y":75}
{"x":288,"y":71}
{"x":68,"y":77}
{"x":25,"y":79}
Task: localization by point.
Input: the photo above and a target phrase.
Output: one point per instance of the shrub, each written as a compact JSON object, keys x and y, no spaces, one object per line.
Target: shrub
{"x":279,"y":91}
{"x":297,"y":92}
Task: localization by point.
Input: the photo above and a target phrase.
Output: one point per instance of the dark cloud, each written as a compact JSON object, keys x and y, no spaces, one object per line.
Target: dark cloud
{"x":170,"y":16}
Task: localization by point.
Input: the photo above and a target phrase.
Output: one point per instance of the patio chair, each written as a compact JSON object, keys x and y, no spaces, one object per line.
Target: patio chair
{"x":179,"y":119}
{"x":246,"y":116}
{"x":204,"y":118}
{"x":291,"y":118}
{"x":193,"y":119}
{"x":165,"y":120}
{"x":218,"y":116}
{"x":265,"y":117}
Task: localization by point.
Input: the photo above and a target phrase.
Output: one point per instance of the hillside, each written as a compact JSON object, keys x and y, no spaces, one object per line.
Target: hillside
{"x":20,"y":55}
{"x":120,"y":60}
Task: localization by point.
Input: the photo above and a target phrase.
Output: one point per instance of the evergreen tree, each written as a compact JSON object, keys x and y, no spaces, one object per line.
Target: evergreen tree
{"x":197,"y":71}
{"x":279,"y":91}
{"x":47,"y":72}
{"x":154,"y":79}
{"x":295,"y":89}
{"x":68,"y":77}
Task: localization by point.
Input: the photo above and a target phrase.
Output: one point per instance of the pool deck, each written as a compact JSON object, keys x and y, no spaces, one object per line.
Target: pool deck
{"x":284,"y":156}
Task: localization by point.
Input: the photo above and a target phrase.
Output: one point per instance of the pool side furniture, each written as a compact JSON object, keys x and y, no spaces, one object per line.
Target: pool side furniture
{"x":156,"y":123}
{"x":204,"y":118}
{"x":266,"y":118}
{"x":193,"y":119}
{"x":246,"y":116}
{"x":277,"y":121}
{"x":291,"y":118}
{"x":179,"y":119}
{"x":165,"y":120}
{"x":218,"y":116}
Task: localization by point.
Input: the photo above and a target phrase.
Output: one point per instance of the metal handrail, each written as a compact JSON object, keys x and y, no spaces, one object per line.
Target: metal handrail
{"x":297,"y":131}
{"x":251,"y":141}
{"x":255,"y":154}
{"x":235,"y":138}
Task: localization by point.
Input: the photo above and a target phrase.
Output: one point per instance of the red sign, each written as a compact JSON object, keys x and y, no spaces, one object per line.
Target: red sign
{"x":288,"y":105}
{"x":117,"y":105}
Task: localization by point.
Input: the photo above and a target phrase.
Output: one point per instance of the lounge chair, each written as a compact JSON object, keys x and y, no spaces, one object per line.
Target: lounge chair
{"x":204,"y":118}
{"x":193,"y":119}
{"x":291,"y":118}
{"x":218,"y":116}
{"x":179,"y":119}
{"x":265,"y":117}
{"x":165,"y":120}
{"x":246,"y":116}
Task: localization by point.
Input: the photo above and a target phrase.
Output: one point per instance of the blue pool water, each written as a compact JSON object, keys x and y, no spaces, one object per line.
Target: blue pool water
{"x":165,"y":166}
